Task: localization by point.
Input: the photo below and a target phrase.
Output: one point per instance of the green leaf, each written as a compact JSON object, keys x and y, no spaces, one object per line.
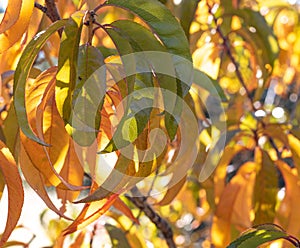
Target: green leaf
{"x":161,"y":21}
{"x":266,"y":188}
{"x":22,"y":71}
{"x":11,"y":129}
{"x":67,"y":64}
{"x":106,"y":52}
{"x":139,"y":105}
{"x":117,"y":236}
{"x":170,"y":32}
{"x":261,"y":234}
{"x":88,"y":95}
{"x":188,"y":9}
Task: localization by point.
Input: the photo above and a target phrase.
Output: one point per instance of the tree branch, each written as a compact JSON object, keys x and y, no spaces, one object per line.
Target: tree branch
{"x":230,"y":55}
{"x":52,"y":12}
{"x":140,"y":202}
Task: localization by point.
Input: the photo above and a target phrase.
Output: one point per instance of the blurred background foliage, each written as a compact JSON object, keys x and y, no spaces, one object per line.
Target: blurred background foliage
{"x":252,"y":50}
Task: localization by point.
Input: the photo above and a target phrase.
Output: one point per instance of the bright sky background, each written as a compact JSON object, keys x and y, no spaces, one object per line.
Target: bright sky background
{"x":3,"y":4}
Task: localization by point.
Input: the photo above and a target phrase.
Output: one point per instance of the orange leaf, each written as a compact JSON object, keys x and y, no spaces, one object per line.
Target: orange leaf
{"x":172,"y":192}
{"x":46,"y":122}
{"x":79,"y":240}
{"x":16,"y":31}
{"x":11,"y":14}
{"x":13,"y":181}
{"x":121,"y":206}
{"x":89,"y":214}
{"x":36,"y":180}
{"x":220,"y":172}
{"x":289,"y":207}
{"x":235,"y":204}
{"x":72,"y":172}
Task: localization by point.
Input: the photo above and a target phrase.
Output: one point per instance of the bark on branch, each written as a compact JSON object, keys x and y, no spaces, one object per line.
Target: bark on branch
{"x":140,"y":202}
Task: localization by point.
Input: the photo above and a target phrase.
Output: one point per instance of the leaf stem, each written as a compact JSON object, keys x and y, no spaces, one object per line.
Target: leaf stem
{"x":140,"y":202}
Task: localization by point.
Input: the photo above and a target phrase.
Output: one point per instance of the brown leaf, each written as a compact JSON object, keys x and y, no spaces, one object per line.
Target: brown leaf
{"x":13,"y":181}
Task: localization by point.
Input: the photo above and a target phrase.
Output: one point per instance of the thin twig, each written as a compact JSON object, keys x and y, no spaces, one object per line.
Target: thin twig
{"x":40,"y":7}
{"x":140,"y":202}
{"x":230,"y":55}
{"x":52,"y":12}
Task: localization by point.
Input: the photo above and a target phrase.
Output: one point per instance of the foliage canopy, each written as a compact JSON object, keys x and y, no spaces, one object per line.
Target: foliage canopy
{"x":185,"y":112}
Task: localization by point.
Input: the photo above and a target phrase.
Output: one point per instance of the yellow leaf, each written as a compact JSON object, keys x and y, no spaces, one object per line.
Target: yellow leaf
{"x":42,"y":114}
{"x":11,"y":14}
{"x":235,"y":204}
{"x":220,"y":172}
{"x":16,"y":31}
{"x":13,"y":181}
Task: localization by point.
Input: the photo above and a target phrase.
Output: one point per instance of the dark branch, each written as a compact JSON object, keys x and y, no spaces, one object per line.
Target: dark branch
{"x":141,"y":202}
{"x":230,"y":55}
{"x":52,"y":12}
{"x":40,"y":7}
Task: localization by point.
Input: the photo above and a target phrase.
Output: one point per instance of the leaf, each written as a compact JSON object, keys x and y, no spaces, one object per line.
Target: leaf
{"x":114,"y":183}
{"x":235,"y":204}
{"x":117,"y":236}
{"x":161,"y":21}
{"x":124,"y":209}
{"x":11,"y":129}
{"x":36,"y":181}
{"x":48,"y":126}
{"x":90,"y":213}
{"x":294,"y":144}
{"x":188,"y":9}
{"x":13,"y":181}
{"x":72,"y":172}
{"x":220,"y":174}
{"x":79,"y":240}
{"x":9,"y":37}
{"x":259,"y":235}
{"x":88,"y":95}
{"x":2,"y":185}
{"x":212,"y":86}
{"x":287,"y":213}
{"x":266,"y":188}
{"x":67,"y":64}
{"x":172,"y":192}
{"x":11,"y":15}
{"x":169,"y":31}
{"x":21,"y":75}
